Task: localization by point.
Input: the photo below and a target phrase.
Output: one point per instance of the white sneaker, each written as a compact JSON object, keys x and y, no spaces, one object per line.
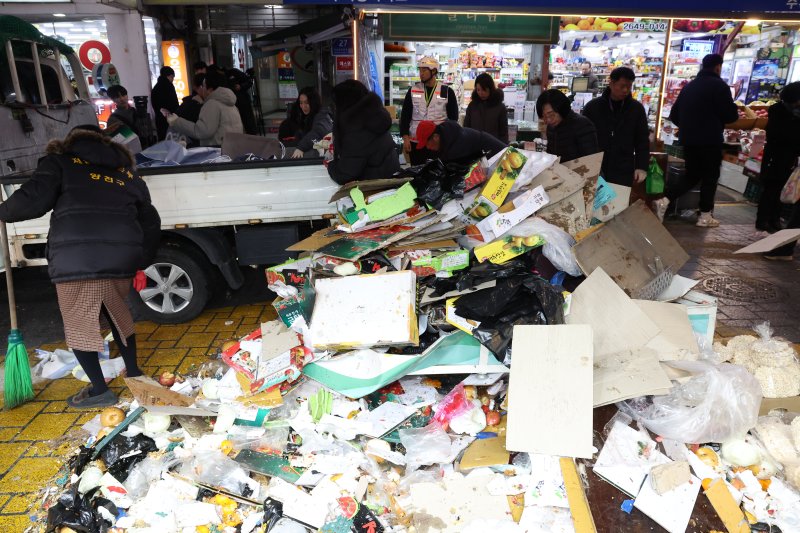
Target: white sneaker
{"x":661,"y":206}
{"x":705,"y":220}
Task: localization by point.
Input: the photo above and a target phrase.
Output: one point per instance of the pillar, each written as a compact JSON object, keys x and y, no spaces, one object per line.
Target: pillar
{"x":129,"y":51}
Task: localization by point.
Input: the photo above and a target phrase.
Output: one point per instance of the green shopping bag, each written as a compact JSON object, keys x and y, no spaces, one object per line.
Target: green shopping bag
{"x":654,"y":184}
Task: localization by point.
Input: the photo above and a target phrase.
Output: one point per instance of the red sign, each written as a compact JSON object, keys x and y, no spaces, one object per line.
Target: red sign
{"x":92,"y":52}
{"x":344,"y":63}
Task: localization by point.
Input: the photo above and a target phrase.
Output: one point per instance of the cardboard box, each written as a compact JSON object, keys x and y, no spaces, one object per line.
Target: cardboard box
{"x":160,"y":400}
{"x":384,"y":205}
{"x":506,"y":248}
{"x":494,"y":193}
{"x":512,"y":213}
{"x":365,"y":311}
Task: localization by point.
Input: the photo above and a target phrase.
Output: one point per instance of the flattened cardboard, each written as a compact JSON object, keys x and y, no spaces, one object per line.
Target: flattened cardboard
{"x":315,"y":241}
{"x":444,"y":244}
{"x":617,"y":322}
{"x":588,"y":168}
{"x":620,"y":202}
{"x":767,"y":244}
{"x":485,"y":452}
{"x":628,"y":374}
{"x":671,"y":510}
{"x":622,"y":462}
{"x":676,"y":339}
{"x":368,"y":186}
{"x":791,"y":404}
{"x":550,"y":387}
{"x":630,"y":247}
{"x":160,"y":400}
{"x":726,"y":507}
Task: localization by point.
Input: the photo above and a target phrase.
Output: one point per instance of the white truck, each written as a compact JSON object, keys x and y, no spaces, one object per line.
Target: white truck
{"x":215,"y":218}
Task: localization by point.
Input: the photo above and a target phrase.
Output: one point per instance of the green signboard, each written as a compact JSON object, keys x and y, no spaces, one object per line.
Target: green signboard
{"x":472,"y":27}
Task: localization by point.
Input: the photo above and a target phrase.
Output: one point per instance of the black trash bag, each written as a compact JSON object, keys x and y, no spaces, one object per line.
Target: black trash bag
{"x":116,"y":454}
{"x":435,"y":182}
{"x":374,"y":262}
{"x":75,"y":511}
{"x":273,"y":511}
{"x":78,"y":462}
{"x":517,"y":301}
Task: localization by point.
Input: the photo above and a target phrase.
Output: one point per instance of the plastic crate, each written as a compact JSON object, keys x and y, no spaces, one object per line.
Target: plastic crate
{"x":674,"y":150}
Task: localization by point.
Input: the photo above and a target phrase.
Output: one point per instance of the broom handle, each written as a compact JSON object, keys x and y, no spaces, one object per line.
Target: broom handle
{"x":12,"y":300}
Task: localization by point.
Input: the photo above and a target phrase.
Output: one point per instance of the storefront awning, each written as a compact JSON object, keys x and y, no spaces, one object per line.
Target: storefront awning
{"x":311,"y":31}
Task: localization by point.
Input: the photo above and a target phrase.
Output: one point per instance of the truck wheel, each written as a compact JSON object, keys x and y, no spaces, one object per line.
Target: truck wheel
{"x":177,"y":287}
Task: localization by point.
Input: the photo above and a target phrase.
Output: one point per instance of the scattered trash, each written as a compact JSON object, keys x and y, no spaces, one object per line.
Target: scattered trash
{"x":437,"y":363}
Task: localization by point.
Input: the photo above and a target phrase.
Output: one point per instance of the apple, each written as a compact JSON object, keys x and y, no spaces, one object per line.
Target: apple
{"x":167,"y":379}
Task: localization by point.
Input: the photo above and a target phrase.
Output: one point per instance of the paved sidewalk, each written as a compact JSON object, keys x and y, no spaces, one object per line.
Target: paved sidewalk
{"x":36,"y":438}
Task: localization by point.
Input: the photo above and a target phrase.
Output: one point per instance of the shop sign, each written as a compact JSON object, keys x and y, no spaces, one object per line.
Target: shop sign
{"x":344,"y":63}
{"x":342,"y":47}
{"x":472,"y":26}
{"x":91,"y":53}
{"x":173,"y":54}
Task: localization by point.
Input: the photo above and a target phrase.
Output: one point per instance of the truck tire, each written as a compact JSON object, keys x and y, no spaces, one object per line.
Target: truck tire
{"x":177,"y":287}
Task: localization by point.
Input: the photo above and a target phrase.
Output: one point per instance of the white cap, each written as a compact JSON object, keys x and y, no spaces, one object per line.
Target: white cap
{"x":428,"y":62}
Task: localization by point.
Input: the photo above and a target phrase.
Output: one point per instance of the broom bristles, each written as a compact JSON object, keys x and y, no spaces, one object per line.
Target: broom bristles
{"x":18,"y":382}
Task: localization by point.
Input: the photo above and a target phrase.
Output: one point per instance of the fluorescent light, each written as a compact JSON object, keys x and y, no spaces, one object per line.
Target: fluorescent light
{"x":59,"y":15}
{"x":752,"y":22}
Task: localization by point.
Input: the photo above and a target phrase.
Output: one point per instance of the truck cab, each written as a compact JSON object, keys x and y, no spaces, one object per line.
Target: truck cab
{"x":216,"y":218}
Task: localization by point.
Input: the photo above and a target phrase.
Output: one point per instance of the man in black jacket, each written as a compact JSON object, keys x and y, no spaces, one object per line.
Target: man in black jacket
{"x":453,"y":144}
{"x":163,"y":96}
{"x":701,"y":111}
{"x":240,"y":83}
{"x":622,"y":132}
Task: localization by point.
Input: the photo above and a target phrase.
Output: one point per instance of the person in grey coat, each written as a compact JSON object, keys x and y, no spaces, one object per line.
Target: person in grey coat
{"x":486,"y":111}
{"x":218,"y":115}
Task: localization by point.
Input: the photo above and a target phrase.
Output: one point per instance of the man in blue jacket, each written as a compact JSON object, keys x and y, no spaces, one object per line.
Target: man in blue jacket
{"x":701,"y":111}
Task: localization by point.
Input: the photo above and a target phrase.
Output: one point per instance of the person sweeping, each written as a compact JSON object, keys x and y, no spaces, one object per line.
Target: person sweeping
{"x":102,"y":230}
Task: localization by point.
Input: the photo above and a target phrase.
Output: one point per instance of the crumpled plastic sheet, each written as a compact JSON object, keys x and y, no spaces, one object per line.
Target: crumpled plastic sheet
{"x":171,"y":153}
{"x":719,"y":402}
{"x":79,"y":512}
{"x":122,"y":453}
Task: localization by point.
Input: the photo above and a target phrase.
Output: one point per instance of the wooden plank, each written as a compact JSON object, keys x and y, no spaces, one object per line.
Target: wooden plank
{"x":617,"y":322}
{"x":578,"y":504}
{"x":550,"y":391}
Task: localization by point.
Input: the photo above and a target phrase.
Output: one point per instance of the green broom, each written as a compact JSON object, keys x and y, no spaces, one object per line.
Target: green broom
{"x":18,"y":383}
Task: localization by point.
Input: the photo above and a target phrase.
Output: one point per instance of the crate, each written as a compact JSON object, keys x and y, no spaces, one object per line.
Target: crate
{"x":674,"y":150}
{"x":753,"y":190}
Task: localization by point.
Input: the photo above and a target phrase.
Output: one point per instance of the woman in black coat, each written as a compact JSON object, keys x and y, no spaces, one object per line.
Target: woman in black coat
{"x":486,"y":111}
{"x":780,"y":156}
{"x":363,"y":148}
{"x":308,"y":121}
{"x":569,"y":135}
{"x":164,"y":96}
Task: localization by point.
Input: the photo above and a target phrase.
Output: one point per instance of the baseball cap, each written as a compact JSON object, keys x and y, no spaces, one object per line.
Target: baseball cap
{"x":424,"y":131}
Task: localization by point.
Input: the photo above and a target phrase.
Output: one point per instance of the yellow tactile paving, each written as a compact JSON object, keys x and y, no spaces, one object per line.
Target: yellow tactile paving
{"x":36,"y":438}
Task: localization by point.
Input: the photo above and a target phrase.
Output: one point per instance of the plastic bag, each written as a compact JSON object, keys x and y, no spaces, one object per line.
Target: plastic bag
{"x":147,"y":472}
{"x":718,"y":403}
{"x":558,"y":243}
{"x":425,"y":446}
{"x":790,"y":194}
{"x":452,"y":405}
{"x":537,"y":163}
{"x":774,"y":364}
{"x":779,"y":435}
{"x":654,"y":184}
{"x":214,"y":468}
{"x":122,"y":453}
{"x":435,"y":182}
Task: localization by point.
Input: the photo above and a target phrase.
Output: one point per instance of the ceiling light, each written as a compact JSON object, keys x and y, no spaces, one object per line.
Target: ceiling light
{"x":59,"y":15}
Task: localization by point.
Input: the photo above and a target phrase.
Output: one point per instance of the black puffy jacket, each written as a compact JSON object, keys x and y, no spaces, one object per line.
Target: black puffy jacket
{"x":363,"y":148}
{"x":465,"y":145}
{"x":103,"y":225}
{"x":574,"y":137}
{"x":702,"y":109}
